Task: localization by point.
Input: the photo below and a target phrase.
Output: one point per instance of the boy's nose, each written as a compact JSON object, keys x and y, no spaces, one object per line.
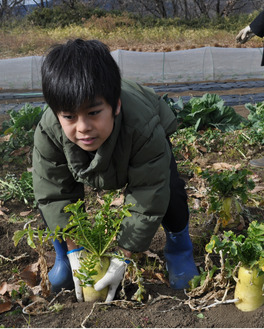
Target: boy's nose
{"x":83,"y":125}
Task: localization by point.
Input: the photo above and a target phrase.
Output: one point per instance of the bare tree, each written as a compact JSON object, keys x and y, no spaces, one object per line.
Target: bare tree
{"x":190,"y":8}
{"x":202,"y":6}
{"x":7,"y":7}
{"x":41,"y":3}
{"x":154,"y":7}
{"x":232,"y":6}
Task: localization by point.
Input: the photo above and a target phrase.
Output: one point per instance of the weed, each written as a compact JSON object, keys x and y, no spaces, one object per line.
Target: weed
{"x":21,"y":188}
{"x":18,"y":219}
{"x":36,"y":239}
{"x":19,"y":130}
{"x":56,"y":307}
{"x":22,"y":292}
{"x":15,"y":270}
{"x":18,"y":310}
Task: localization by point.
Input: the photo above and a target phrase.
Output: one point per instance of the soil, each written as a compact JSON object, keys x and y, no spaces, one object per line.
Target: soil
{"x":162,"y":307}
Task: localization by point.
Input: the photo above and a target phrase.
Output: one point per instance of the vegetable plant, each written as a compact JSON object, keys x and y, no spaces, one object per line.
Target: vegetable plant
{"x":232,"y":253}
{"x":204,"y":112}
{"x":94,"y":231}
{"x":254,"y":132}
{"x":26,"y":118}
{"x":245,"y":252}
{"x":18,"y":131}
{"x":228,"y":192}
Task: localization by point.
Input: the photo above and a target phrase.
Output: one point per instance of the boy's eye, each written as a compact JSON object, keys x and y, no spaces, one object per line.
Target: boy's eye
{"x":94,"y":112}
{"x":68,"y":117}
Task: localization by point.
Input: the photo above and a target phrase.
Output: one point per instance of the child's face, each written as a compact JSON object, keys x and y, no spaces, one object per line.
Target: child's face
{"x":91,"y":125}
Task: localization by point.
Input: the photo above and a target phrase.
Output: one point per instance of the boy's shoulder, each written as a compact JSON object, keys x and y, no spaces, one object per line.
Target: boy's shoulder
{"x":141,"y":105}
{"x":49,"y":124}
{"x":139,"y":99}
{"x":138,"y":90}
{"x":49,"y":121}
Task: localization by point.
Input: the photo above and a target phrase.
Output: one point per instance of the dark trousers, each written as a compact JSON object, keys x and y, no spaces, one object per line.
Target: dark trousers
{"x":177,"y":215}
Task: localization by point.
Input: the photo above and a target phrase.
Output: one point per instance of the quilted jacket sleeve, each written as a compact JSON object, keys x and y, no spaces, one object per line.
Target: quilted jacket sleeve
{"x":148,"y":190}
{"x":54,"y":186}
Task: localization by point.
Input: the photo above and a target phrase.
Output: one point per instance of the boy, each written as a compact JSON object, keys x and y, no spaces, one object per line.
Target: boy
{"x":108,"y":133}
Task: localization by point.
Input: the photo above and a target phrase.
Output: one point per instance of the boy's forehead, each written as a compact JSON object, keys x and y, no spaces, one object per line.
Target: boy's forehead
{"x":97,"y":101}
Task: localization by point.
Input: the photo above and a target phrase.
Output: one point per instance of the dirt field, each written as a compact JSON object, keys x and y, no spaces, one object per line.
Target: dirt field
{"x":162,"y":306}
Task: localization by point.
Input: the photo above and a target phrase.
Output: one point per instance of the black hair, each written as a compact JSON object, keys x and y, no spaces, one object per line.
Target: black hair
{"x":77,"y":72}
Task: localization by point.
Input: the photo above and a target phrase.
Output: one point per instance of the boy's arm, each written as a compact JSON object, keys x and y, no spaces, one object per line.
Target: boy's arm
{"x":148,"y":190}
{"x":53,"y":183}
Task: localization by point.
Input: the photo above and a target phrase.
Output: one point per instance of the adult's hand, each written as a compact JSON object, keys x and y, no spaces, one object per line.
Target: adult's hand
{"x":244,"y":35}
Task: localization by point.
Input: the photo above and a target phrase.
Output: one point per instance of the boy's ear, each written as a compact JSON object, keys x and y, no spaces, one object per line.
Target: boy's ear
{"x":118,"y":108}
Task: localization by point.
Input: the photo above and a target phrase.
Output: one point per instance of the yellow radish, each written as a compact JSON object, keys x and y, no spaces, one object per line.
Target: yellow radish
{"x":249,"y":289}
{"x":89,"y":293}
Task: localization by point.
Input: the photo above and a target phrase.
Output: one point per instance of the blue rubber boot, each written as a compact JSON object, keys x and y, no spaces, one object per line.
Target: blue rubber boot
{"x":60,"y":276}
{"x":178,"y":253}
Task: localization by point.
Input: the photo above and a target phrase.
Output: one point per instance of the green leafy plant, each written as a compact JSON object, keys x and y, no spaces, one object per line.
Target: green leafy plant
{"x":21,"y":292}
{"x":243,"y":249}
{"x":184,"y":143}
{"x":228,"y":191}
{"x":242,"y":253}
{"x":95,"y":231}
{"x":188,"y":143}
{"x":12,"y":187}
{"x":206,"y":111}
{"x":26,"y":118}
{"x":245,"y":253}
{"x":254,"y":132}
{"x":19,"y":129}
{"x":212,"y":139}
{"x":256,"y":113}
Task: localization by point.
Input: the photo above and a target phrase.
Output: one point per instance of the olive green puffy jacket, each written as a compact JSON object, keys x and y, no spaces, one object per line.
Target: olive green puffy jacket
{"x":136,"y":155}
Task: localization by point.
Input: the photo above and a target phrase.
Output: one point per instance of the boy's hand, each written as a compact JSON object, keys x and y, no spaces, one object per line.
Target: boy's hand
{"x":244,"y":35}
{"x":74,"y":259}
{"x":126,"y":253}
{"x":112,"y":278}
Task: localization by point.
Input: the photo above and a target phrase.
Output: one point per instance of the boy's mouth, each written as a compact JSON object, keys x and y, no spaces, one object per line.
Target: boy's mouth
{"x":87,"y":141}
